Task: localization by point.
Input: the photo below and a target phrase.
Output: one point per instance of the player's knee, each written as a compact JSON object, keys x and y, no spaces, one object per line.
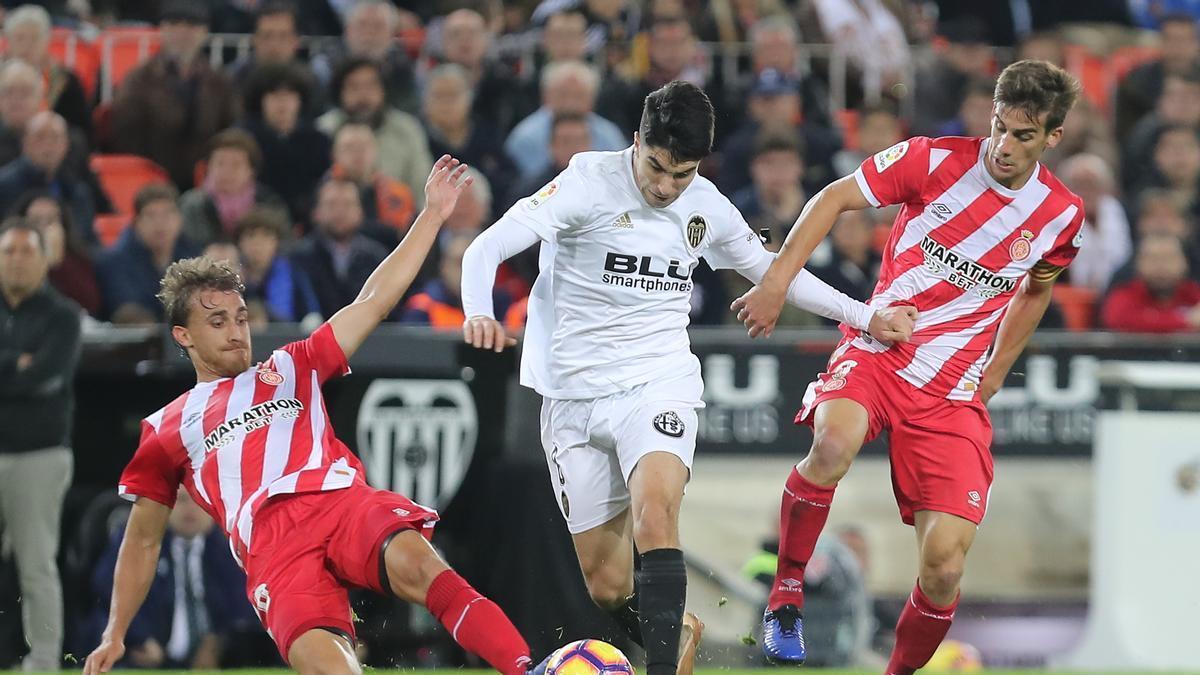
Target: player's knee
{"x":327,"y":667}
{"x":656,"y":524}
{"x":608,"y":586}
{"x":832,"y":453}
{"x":412,"y":565}
{"x":942,"y":569}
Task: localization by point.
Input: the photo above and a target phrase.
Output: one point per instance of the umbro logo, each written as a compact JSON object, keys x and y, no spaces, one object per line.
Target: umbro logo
{"x":790,"y":584}
{"x":624,"y":221}
{"x":973,"y":498}
{"x":940,"y":210}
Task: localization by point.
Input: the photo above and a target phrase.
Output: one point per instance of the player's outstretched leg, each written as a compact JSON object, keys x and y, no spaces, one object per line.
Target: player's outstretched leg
{"x":321,"y":652}
{"x":416,"y":573}
{"x":943,"y":540}
{"x":689,"y":642}
{"x":656,"y":491}
{"x":839,"y":429}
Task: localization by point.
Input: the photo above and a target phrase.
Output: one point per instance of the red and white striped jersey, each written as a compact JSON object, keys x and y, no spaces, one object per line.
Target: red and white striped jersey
{"x":958,"y":250}
{"x":234,"y":442}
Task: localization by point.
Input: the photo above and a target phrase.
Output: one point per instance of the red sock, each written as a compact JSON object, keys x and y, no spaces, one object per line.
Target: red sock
{"x":919,"y":631}
{"x":801,"y":519}
{"x":477,"y":623}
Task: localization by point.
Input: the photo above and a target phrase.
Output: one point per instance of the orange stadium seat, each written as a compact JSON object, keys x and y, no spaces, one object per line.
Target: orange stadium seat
{"x":123,"y":49}
{"x":109,"y":227}
{"x":847,"y":119}
{"x":81,"y":56}
{"x":1078,"y":305}
{"x":122,"y":176}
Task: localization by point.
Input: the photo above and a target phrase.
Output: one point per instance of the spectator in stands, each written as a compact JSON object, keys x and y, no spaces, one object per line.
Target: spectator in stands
{"x":27,"y":31}
{"x":775,"y":104}
{"x":773,"y":201}
{"x":196,"y":600}
{"x":169,"y":107}
{"x":850,"y":264}
{"x":465,"y":41}
{"x":403,"y":148}
{"x":974,"y":113}
{"x":1106,"y":244}
{"x":439,"y":302}
{"x":567,"y":87}
{"x":1160,"y":212}
{"x":941,"y":84}
{"x":130,"y":271}
{"x":672,"y":51}
{"x":338,"y":257}
{"x":276,"y":288}
{"x":21,"y":94}
{"x":1178,"y":104}
{"x":1086,"y":130}
{"x":879,"y":128}
{"x":385,"y":200}
{"x":70,"y":268}
{"x":370,"y":32}
{"x":609,"y":21}
{"x":39,"y":349}
{"x":569,"y":136}
{"x":871,"y":37}
{"x":1177,"y":165}
{"x":294,"y":153}
{"x":562,"y":38}
{"x":230,"y":189}
{"x":731,"y":21}
{"x":276,"y":43}
{"x":1139,"y":91}
{"x":41,"y":166}
{"x":773,"y":46}
{"x":455,"y":130}
{"x":1043,"y":46}
{"x":1161,"y":298}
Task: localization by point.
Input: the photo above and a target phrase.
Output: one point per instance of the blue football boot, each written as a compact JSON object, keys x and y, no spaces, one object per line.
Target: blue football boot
{"x":783,"y":635}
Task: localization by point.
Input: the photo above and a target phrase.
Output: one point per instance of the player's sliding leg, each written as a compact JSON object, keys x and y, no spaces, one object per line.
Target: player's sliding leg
{"x":840,"y":425}
{"x":605,"y":555}
{"x":416,"y":573}
{"x":656,"y":492}
{"x":943,"y":541}
{"x":322,"y":652}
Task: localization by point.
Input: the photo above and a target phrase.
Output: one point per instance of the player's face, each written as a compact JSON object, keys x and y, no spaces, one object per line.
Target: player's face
{"x":659,"y":178}
{"x":1016,"y":145}
{"x":217,"y":335}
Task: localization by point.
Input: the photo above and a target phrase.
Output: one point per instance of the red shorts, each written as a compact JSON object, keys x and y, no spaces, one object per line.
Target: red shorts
{"x":940,"y":450}
{"x":307,"y":550}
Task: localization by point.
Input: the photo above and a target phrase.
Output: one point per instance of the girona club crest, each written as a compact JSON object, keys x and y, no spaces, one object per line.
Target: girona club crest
{"x":1021,"y":246}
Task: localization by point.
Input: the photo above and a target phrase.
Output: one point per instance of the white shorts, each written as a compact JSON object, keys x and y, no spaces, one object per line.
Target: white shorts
{"x":592,"y":445}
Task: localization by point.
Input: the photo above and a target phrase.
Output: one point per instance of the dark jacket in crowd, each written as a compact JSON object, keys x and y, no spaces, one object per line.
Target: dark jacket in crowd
{"x":37,"y":404}
{"x":336,"y":289}
{"x":128,"y":275}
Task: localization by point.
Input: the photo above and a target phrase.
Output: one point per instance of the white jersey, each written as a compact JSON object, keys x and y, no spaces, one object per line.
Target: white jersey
{"x":609,"y":310}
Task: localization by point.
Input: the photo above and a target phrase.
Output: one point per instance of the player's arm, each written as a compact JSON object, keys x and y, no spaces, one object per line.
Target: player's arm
{"x":387,"y":284}
{"x":493,"y":246}
{"x":1022,"y":317}
{"x":806,"y":291}
{"x":759,"y":308}
{"x":137,"y":563}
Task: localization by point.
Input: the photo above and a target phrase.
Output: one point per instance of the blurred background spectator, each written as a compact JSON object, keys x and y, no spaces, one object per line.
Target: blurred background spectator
{"x":39,"y":349}
{"x":211,"y":211}
{"x":276,"y":288}
{"x":27,"y":37}
{"x":71,"y":271}
{"x":1161,"y":298}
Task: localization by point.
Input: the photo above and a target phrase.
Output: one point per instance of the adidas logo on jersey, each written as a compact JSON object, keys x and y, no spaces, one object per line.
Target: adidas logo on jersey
{"x":623,"y":221}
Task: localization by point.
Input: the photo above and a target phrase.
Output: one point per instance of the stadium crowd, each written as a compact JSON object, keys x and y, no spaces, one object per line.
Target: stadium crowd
{"x":132,"y":138}
{"x":302,"y":156}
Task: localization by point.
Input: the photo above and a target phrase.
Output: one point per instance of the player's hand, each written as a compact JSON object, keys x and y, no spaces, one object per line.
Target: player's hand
{"x":484,"y":332}
{"x":759,"y":309}
{"x":104,"y":657}
{"x":893,"y":324}
{"x":445,"y":184}
{"x":988,"y":386}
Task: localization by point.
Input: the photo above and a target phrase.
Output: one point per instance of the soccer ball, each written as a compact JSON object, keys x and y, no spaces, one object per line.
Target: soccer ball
{"x":588,"y":657}
{"x":954,"y":656}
